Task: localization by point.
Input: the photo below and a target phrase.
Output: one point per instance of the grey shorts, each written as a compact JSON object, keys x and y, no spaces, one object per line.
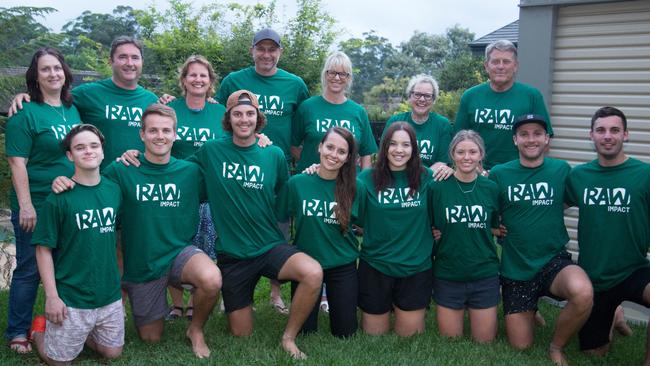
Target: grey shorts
{"x":149,"y":299}
{"x":104,"y":325}
{"x":479,"y":294}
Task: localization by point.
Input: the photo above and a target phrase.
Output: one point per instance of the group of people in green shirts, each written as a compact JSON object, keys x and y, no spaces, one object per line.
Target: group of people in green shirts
{"x":428,"y":207}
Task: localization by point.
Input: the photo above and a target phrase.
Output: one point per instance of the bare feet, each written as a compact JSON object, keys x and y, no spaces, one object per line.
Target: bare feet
{"x":199,"y":347}
{"x":539,"y":320}
{"x":620,"y":324}
{"x":278,"y":305}
{"x":557,"y":355}
{"x":289,"y":345}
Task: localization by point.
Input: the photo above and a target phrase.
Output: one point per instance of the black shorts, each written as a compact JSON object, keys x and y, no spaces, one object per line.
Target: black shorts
{"x":240,"y":276}
{"x":522,"y":296}
{"x":379,"y":292}
{"x":595,"y":333}
{"x":479,"y":294}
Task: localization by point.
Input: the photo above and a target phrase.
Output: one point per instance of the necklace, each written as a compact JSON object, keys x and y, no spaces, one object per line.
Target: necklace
{"x":61,"y":114}
{"x":461,"y":188}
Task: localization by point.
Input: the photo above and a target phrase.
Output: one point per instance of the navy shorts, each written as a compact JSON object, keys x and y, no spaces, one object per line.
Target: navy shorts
{"x":479,"y":294}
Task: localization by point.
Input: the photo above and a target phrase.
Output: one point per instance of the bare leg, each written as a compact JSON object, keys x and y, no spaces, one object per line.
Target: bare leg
{"x":108,"y":353}
{"x":177,"y":302}
{"x":520,"y":329}
{"x":572,"y":284}
{"x":450,"y":321}
{"x":203,"y":274}
{"x":375,"y":324}
{"x":408,"y":323}
{"x":241,"y":322}
{"x":484,"y":324}
{"x":309,"y":275}
{"x":276,"y":298}
{"x":39,"y":338}
{"x":152,"y":332}
{"x":620,"y":324}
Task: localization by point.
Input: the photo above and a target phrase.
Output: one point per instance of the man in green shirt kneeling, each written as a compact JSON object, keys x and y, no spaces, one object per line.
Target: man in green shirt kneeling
{"x":613,"y":195}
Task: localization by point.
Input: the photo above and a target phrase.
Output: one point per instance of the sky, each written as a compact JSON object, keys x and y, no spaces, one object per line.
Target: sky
{"x":397,"y":23}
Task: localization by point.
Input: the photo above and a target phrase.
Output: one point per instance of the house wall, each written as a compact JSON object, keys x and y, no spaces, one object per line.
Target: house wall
{"x":583,"y":55}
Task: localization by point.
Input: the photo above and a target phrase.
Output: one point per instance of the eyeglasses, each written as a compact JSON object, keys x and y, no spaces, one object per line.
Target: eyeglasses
{"x":342,"y":75}
{"x":425,"y":96}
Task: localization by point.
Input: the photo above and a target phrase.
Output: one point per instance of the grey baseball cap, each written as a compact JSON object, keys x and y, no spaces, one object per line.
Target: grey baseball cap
{"x":267,"y":33}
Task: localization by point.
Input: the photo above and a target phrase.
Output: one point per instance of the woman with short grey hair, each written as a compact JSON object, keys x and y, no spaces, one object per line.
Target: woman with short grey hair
{"x":432,"y":130}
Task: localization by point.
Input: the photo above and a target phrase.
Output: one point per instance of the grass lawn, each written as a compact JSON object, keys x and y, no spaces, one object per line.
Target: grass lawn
{"x":263,"y":347}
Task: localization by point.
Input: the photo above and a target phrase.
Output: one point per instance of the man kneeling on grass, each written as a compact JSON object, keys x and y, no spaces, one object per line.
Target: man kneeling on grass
{"x":83,"y":300}
{"x":159,"y":218}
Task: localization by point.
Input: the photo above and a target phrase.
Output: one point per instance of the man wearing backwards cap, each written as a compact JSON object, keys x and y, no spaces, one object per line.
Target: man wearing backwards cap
{"x":242,"y":182}
{"x":279,"y":94}
{"x":613,"y":195}
{"x":534,"y":261}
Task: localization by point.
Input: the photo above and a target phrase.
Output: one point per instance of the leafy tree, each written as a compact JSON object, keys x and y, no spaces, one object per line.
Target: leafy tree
{"x":384,"y":99}
{"x":237,"y":41}
{"x":462,"y":72}
{"x":447,"y":103}
{"x":175,"y":34}
{"x":21,"y":34}
{"x":310,"y":35}
{"x":101,"y":28}
{"x":368,"y":55}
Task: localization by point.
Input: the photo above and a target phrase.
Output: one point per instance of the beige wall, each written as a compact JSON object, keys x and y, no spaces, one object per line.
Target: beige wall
{"x":601,"y":56}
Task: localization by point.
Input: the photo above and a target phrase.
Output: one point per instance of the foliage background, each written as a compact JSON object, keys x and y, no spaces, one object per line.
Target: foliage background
{"x":223,"y":33}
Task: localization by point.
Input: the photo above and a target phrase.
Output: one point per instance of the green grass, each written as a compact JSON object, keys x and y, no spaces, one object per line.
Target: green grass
{"x":262,"y":348}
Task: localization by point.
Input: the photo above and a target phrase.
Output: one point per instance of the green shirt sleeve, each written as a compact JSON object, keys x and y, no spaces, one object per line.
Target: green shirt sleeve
{"x":46,"y":233}
{"x":443,"y":148}
{"x":367,"y":144}
{"x":19,"y":138}
{"x":298,"y":127}
{"x":539,"y":107}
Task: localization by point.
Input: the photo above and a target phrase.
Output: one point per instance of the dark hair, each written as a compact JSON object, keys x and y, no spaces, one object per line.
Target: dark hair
{"x":346,"y":180}
{"x":122,"y":40}
{"x":159,"y":109}
{"x":74,"y":131}
{"x":31,"y":76}
{"x":608,"y":112}
{"x":226,"y":124}
{"x":382,"y":175}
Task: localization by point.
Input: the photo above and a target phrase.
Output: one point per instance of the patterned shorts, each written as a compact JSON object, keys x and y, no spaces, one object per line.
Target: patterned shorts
{"x":105,"y":325}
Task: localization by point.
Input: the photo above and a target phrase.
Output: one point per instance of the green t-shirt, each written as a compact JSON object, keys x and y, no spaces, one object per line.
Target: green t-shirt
{"x":279,"y":96}
{"x":242,"y":184}
{"x":35,"y":133}
{"x":397,"y":238}
{"x":492,"y":114}
{"x":159,"y":214}
{"x":316,"y":115}
{"x":116,"y":112}
{"x":310,"y":200}
{"x":465,"y":213}
{"x":531,"y":202}
{"x":194,"y":127}
{"x":614,"y":221}
{"x":79,"y":225}
{"x":433,"y":135}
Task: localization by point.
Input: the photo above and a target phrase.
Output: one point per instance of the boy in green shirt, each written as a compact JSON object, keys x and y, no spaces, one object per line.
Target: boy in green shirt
{"x":242,"y":182}
{"x":534,"y":261}
{"x":613,"y":195}
{"x":83,"y":301}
